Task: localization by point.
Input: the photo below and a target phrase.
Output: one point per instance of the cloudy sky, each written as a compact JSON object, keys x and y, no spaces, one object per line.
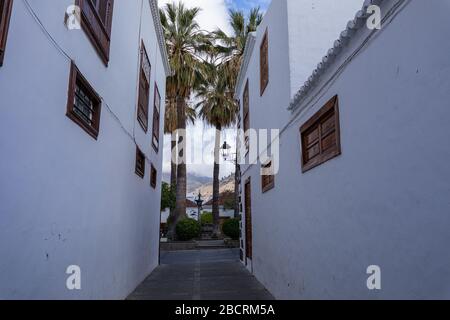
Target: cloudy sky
{"x":200,"y":138}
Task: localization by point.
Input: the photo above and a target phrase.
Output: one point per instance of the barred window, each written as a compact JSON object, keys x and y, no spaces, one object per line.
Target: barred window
{"x":153,"y":177}
{"x":84,"y":104}
{"x":144,"y":89}
{"x":140,"y":163}
{"x":156,"y":119}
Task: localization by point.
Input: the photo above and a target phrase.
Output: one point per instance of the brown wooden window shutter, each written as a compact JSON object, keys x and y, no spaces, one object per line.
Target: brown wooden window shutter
{"x":156,"y":119}
{"x":5,"y":15}
{"x":153,"y":177}
{"x":246,"y":111}
{"x":264,"y":62}
{"x":84,"y":104}
{"x":144,"y":89}
{"x":140,"y":163}
{"x":96,"y":21}
{"x":320,"y":136}
{"x":267,"y":177}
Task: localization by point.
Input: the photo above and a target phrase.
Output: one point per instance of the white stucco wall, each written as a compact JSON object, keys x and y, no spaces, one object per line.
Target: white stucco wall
{"x":385,"y":200}
{"x":66,"y":199}
{"x":313,"y":27}
{"x":300,"y":32}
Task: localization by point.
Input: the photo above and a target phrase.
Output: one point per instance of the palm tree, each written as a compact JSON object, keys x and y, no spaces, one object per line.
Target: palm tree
{"x":183,"y":40}
{"x":232,"y":47}
{"x":219,"y":109}
{"x":170,"y":127}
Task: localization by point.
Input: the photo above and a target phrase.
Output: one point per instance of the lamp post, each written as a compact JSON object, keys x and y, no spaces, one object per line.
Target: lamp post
{"x":199,"y":202}
{"x":232,"y":157}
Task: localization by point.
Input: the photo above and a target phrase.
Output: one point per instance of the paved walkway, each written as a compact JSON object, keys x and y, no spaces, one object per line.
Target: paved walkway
{"x":201,"y":275}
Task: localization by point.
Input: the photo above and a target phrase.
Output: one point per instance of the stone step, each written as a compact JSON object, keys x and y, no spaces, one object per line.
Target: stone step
{"x":210,"y":244}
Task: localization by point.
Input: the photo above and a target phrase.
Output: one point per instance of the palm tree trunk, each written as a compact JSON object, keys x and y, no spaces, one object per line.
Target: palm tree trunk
{"x":180,"y":208}
{"x":173,"y":184}
{"x":216,"y":184}
{"x":237,"y":174}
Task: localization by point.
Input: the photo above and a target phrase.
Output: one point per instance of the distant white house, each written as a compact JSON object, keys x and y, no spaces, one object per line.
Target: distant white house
{"x":191,"y":212}
{"x":364,"y":178}
{"x":192,"y":209}
{"x":81,"y":113}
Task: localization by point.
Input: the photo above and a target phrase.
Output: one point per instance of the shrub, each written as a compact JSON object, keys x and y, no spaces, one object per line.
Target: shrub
{"x":231,"y":228}
{"x":187,"y":229}
{"x":206,"y":218}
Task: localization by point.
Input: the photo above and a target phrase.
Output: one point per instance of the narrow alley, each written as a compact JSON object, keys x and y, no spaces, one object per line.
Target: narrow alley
{"x":201,"y":275}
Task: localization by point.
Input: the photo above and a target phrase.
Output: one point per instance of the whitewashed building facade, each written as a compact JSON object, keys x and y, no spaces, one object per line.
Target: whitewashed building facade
{"x":363,"y":176}
{"x":80,"y":137}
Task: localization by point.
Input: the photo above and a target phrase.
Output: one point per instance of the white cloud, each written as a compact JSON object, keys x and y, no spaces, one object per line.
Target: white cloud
{"x":214,"y":13}
{"x":200,"y":150}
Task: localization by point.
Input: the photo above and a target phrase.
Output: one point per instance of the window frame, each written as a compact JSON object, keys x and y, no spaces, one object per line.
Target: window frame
{"x":97,"y":30}
{"x":5,"y":17}
{"x":330,"y":109}
{"x":156,"y":119}
{"x":153,"y":176}
{"x":264,"y":69}
{"x":140,"y":172}
{"x":267,"y":181}
{"x":76,"y":77}
{"x":144,"y":75}
{"x":246,"y":114}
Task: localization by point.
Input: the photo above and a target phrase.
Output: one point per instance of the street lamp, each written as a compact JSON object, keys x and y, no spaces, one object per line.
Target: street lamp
{"x":225,"y":151}
{"x":199,"y":202}
{"x":232,"y":157}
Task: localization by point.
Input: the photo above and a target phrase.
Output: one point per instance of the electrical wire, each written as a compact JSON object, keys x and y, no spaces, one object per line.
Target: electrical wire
{"x":68,"y":57}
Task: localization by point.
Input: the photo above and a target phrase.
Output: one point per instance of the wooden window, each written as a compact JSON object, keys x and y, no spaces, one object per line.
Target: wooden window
{"x":267,"y":177}
{"x":84,"y":104}
{"x":96,"y":21}
{"x":153,"y":177}
{"x":144,"y":89}
{"x":156,"y":119}
{"x":264,"y":62}
{"x":248,"y":220}
{"x":246,"y":111}
{"x":5,"y":15}
{"x":320,"y":136}
{"x":140,"y":163}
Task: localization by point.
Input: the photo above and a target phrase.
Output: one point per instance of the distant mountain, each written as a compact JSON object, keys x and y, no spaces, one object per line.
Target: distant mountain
{"x":226,"y":184}
{"x":204,"y":185}
{"x":193,"y":181}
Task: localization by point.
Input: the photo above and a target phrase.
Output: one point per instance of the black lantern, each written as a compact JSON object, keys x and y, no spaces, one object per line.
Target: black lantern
{"x":225,"y":150}
{"x":199,"y":202}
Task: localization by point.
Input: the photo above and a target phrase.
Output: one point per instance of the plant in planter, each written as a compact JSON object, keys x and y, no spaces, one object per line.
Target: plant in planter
{"x":187,"y":229}
{"x":206,"y":218}
{"x":231,"y":228}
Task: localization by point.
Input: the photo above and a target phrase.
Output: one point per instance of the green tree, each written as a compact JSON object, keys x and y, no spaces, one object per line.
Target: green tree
{"x":167,"y":196}
{"x":232,"y":46}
